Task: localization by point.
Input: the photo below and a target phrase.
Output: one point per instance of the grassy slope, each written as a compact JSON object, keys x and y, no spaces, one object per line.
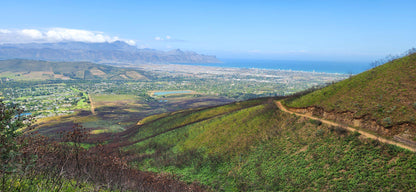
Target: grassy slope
{"x":168,"y":121}
{"x":33,"y":69}
{"x":385,"y":92}
{"x":262,"y":148}
{"x":40,"y":183}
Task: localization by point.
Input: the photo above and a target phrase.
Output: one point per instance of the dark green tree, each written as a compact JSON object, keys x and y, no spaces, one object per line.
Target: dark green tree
{"x":10,"y":122}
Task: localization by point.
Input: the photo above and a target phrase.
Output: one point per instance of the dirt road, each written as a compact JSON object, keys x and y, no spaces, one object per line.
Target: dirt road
{"x":365,"y":134}
{"x":92,"y":104}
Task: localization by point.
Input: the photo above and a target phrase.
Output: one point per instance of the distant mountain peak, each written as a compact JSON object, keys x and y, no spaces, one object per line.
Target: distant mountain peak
{"x":175,"y":52}
{"x":121,"y":44}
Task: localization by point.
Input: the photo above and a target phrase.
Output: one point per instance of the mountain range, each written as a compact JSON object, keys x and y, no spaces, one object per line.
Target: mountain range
{"x":117,"y":52}
{"x":21,"y":69}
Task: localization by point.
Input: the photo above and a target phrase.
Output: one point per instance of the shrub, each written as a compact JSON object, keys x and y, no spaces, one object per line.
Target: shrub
{"x":380,"y":108}
{"x":338,"y":130}
{"x":319,"y":133}
{"x":315,"y":122}
{"x":387,"y":122}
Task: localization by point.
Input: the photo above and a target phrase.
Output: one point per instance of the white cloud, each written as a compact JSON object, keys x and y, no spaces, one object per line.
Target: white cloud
{"x":32,"y":33}
{"x":168,"y":37}
{"x":56,"y":35}
{"x":5,"y":31}
{"x":130,"y":42}
{"x":62,"y":34}
{"x":159,"y":39}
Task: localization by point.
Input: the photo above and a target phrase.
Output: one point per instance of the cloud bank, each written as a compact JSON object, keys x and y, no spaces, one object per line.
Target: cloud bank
{"x":54,"y":35}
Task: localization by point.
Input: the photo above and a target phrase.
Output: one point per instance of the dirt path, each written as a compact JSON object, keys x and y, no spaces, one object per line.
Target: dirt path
{"x":365,"y":134}
{"x":92,"y":104}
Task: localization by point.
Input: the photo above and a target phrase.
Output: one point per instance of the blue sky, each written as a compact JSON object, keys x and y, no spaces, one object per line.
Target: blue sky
{"x":286,"y":30}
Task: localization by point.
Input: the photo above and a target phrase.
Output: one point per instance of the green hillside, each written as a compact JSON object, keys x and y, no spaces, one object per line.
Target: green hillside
{"x":385,"y":94}
{"x":252,"y":145}
{"x":19,"y":69}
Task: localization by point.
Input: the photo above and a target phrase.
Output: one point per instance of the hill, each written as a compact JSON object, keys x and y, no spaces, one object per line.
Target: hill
{"x":30,"y":69}
{"x":110,"y":53}
{"x":255,"y":145}
{"x":380,"y":100}
{"x":252,"y":145}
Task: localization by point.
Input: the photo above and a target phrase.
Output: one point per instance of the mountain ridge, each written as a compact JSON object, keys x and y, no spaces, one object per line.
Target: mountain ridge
{"x":22,"y":69}
{"x":114,"y":53}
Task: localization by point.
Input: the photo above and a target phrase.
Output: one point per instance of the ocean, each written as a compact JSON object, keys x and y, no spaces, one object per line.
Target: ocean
{"x":310,"y":66}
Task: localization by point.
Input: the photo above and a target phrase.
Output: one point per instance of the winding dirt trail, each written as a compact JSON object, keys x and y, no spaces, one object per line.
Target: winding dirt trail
{"x":92,"y":104}
{"x":365,"y":134}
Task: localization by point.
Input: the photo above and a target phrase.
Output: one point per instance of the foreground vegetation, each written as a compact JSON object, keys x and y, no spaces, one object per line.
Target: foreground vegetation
{"x":35,"y":163}
{"x":259,"y":147}
{"x":244,"y":146}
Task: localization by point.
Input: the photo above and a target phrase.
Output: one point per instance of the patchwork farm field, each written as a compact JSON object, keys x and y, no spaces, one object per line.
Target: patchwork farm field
{"x":115,"y":113}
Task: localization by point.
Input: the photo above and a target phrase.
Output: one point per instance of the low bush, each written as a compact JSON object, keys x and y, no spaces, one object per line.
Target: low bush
{"x":339,"y":130}
{"x":315,"y":122}
{"x":387,"y":122}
